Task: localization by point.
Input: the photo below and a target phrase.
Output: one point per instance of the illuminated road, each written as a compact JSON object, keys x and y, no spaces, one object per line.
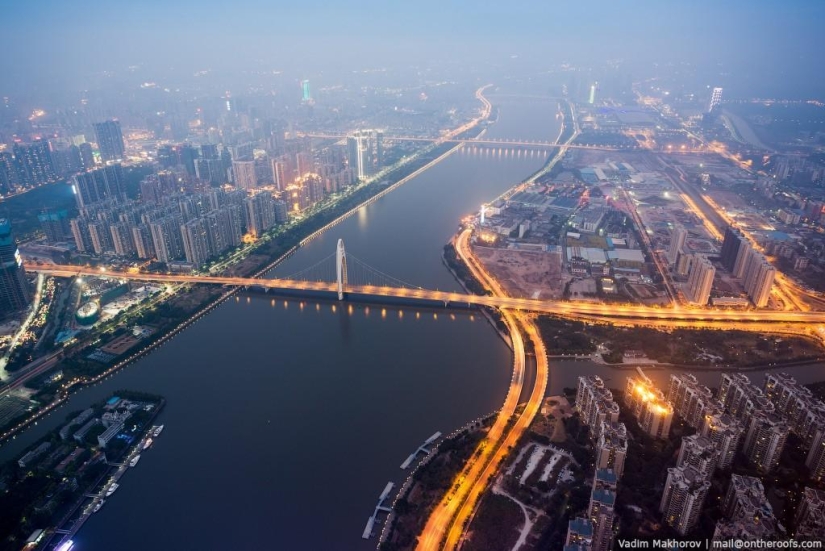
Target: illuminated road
{"x":452,"y":513}
{"x":641,"y":314}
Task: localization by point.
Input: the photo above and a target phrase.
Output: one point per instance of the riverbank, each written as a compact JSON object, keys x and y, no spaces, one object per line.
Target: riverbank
{"x":48,"y":486}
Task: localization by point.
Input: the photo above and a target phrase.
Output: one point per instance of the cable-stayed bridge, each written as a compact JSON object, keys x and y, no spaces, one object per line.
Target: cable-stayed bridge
{"x":344,"y":276}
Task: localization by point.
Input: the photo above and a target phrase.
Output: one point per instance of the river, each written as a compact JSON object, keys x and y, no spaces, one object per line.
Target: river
{"x":285,"y":419}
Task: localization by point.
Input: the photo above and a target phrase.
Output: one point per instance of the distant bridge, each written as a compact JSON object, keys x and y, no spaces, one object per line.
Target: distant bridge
{"x":520,"y":143}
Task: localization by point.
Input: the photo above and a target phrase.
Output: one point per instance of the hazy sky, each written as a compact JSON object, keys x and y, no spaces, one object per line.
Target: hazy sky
{"x":59,"y":42}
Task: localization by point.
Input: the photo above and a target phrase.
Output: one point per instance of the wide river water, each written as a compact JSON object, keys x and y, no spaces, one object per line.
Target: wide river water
{"x":285,"y":419}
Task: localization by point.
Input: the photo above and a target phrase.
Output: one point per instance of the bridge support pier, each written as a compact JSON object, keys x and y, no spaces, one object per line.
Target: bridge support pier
{"x":341,"y":268}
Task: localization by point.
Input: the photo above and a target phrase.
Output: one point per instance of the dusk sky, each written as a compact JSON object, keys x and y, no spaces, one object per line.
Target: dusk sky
{"x":54,"y":42}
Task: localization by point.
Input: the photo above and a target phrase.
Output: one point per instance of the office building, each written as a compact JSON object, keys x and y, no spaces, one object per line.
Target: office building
{"x":715,"y":99}
{"x":700,"y":281}
{"x":677,"y":243}
{"x":726,"y":432}
{"x":765,"y":439}
{"x":683,"y":497}
{"x":14,"y":288}
{"x":700,"y":453}
{"x":809,"y":522}
{"x":109,"y":140}
{"x":99,"y":185}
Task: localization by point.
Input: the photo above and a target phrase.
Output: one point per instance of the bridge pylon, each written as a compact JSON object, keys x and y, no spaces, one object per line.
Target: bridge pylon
{"x":341,"y":268}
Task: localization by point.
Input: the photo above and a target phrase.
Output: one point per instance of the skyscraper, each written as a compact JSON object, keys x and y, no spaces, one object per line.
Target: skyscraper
{"x":306,"y":95}
{"x":109,"y":140}
{"x":700,"y":281}
{"x":764,"y":440}
{"x":726,"y":432}
{"x":759,"y":279}
{"x":677,"y":241}
{"x":715,"y":98}
{"x":731,"y":244}
{"x":14,"y":289}
{"x":682,"y":500}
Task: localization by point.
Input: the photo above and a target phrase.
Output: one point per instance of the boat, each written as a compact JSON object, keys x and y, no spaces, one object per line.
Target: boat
{"x":158,"y":430}
{"x":99,"y":505}
{"x":147,"y":443}
{"x":112,"y":489}
{"x":134,"y":460}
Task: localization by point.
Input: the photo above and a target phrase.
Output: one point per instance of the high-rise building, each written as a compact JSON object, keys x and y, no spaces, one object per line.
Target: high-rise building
{"x":700,"y":453}
{"x":109,"y":140}
{"x":726,"y":432}
{"x":746,"y":497}
{"x":653,"y":412}
{"x":683,"y":498}
{"x":691,"y":400}
{"x":731,"y":244}
{"x":14,"y":289}
{"x":715,"y":98}
{"x":55,"y":225}
{"x":700,"y":281}
{"x":379,"y":148}
{"x":741,"y":398}
{"x":611,"y":447}
{"x":683,"y":263}
{"x":142,"y":236}
{"x":33,"y":163}
{"x":99,"y":185}
{"x":601,"y":513}
{"x":244,"y":174}
{"x":359,"y":153}
{"x":260,"y":213}
{"x":592,"y":98}
{"x":167,"y":239}
{"x":595,"y":404}
{"x":765,"y":439}
{"x":759,"y":279}
{"x":306,"y":94}
{"x":677,"y":243}
{"x":809,"y":522}
{"x":579,"y":532}
{"x":9,"y":179}
{"x":196,"y":242}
